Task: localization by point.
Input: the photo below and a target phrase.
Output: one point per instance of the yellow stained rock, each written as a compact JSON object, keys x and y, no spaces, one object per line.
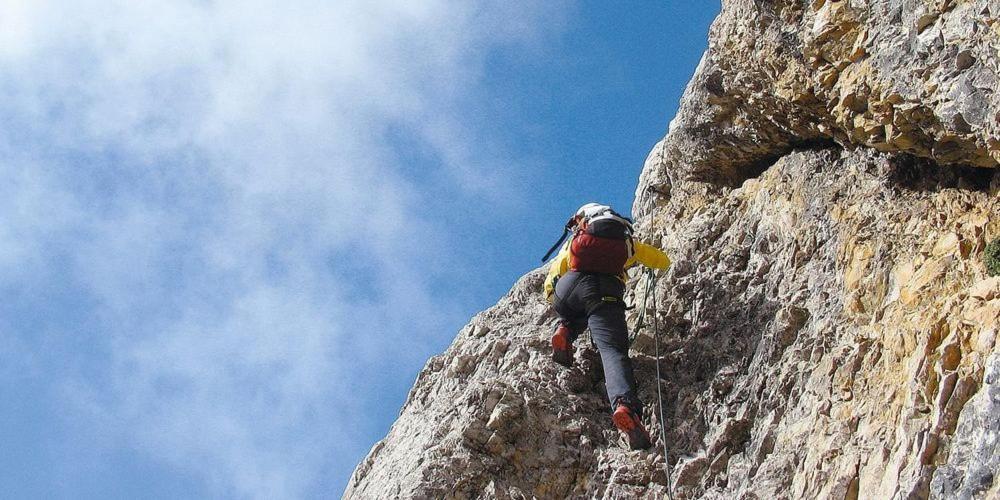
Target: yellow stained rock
{"x":929,"y":271}
{"x":986,"y":316}
{"x":985,"y":340}
{"x":948,"y":244}
{"x":857,"y":267}
{"x":986,"y":289}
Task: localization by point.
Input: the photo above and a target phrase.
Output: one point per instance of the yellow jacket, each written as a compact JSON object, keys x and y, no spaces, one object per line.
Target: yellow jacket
{"x":646,"y":255}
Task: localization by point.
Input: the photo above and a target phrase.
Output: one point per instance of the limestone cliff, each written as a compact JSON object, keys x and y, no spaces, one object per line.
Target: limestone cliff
{"x":826,"y":191}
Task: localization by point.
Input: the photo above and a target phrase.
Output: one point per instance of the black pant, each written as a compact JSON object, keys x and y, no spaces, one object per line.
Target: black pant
{"x":595,"y":300}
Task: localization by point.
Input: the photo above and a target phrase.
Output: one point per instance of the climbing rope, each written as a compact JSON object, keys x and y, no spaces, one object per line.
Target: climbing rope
{"x":659,"y":392}
{"x":650,"y":296}
{"x":649,"y":291}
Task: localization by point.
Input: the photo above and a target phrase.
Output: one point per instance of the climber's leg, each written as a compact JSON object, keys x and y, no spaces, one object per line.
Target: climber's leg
{"x":565,"y":334}
{"x":572,"y":318}
{"x":610,"y":333}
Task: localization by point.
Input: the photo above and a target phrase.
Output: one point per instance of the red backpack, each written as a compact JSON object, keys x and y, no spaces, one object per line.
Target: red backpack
{"x":602,"y":242}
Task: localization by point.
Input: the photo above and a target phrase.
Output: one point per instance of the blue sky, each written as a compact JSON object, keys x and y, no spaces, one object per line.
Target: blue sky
{"x":233,"y":232}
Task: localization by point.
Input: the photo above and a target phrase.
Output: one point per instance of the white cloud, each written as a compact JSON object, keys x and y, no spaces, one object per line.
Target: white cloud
{"x":220,"y":175}
{"x":16,"y":19}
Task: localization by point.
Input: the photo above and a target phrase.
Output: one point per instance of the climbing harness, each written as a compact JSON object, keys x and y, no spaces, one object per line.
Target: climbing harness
{"x":650,"y":292}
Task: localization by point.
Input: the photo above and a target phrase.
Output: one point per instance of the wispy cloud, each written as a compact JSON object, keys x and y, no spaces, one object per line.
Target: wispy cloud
{"x":210,"y":193}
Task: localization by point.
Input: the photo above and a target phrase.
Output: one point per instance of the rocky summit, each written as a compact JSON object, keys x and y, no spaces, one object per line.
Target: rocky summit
{"x":828,"y":328}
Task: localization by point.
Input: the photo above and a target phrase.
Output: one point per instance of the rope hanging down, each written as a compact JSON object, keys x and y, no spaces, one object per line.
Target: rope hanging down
{"x":650,"y":296}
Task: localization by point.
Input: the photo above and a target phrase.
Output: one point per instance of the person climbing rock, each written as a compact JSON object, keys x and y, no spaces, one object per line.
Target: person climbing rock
{"x":586,"y":286}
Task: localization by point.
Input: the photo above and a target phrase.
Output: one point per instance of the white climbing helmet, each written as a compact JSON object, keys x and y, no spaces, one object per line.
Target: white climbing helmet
{"x":595,"y":211}
{"x":591,"y":210}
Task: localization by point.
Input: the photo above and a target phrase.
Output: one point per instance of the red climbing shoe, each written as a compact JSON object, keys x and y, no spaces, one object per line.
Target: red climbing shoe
{"x":562,"y":348}
{"x":628,"y":422}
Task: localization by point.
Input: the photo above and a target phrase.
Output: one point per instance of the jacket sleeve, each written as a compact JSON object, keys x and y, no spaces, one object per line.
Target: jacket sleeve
{"x":558,"y":267}
{"x":649,"y":256}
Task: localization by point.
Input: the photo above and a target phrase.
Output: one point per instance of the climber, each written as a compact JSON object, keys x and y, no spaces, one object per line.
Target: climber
{"x":586,"y":285}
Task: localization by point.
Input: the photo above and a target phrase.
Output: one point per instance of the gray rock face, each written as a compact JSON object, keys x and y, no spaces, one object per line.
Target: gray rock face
{"x":975,"y":452}
{"x":914,"y":76}
{"x":494,"y":417}
{"x":826,"y":321}
{"x":827,"y":329}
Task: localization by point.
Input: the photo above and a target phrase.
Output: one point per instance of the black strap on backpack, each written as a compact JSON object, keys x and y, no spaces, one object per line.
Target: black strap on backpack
{"x":566,"y":230}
